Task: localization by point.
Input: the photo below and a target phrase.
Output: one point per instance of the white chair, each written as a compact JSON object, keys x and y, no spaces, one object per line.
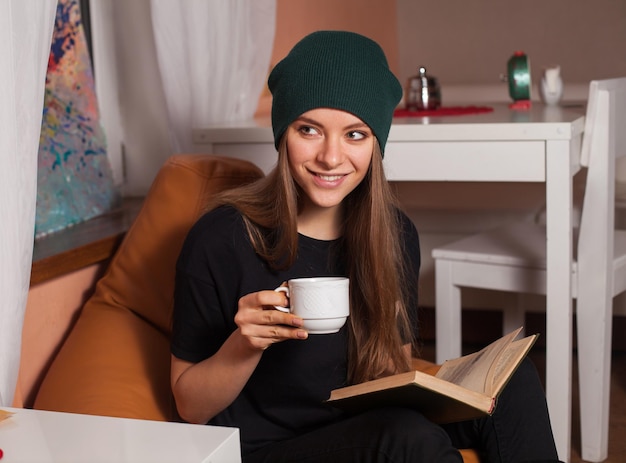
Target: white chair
{"x":513,"y":258}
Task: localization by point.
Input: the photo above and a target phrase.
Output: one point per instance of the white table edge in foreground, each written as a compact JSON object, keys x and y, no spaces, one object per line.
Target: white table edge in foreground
{"x":45,"y":436}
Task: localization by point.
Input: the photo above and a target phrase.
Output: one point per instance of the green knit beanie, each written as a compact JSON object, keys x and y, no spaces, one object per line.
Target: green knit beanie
{"x":339,"y":70}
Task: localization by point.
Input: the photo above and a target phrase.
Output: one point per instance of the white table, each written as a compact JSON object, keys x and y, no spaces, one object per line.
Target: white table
{"x":46,"y":437}
{"x":538,"y":145}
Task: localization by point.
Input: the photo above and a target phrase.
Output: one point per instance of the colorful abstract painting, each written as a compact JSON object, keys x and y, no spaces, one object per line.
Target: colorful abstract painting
{"x":75,"y":181}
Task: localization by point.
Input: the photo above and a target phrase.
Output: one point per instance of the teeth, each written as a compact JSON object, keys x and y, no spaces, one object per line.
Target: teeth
{"x":329,"y":178}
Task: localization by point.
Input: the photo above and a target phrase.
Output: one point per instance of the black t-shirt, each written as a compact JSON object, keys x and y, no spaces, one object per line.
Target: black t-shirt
{"x":285,"y":395}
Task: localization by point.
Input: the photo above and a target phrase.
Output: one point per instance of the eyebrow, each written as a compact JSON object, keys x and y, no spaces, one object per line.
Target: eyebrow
{"x":356,"y":125}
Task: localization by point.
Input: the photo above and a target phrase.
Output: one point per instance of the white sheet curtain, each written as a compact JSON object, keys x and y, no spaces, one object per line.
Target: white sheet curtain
{"x":213,"y":56}
{"x":25,"y":33}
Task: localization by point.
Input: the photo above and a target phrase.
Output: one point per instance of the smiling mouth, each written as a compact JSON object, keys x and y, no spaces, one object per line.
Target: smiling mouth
{"x":330,"y":178}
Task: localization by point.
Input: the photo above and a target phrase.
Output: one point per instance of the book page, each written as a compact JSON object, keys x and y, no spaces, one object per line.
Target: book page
{"x":507,"y":362}
{"x":472,"y":371}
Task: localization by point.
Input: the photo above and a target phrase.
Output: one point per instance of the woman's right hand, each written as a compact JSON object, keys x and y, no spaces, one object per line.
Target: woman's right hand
{"x":261,"y":325}
{"x":204,"y":389}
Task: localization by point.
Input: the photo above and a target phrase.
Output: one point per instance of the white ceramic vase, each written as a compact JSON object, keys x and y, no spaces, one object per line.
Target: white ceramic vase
{"x":551,"y":86}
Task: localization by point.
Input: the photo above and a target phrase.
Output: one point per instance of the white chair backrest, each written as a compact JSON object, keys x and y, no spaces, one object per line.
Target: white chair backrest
{"x":604,"y":140}
{"x":616,"y":90}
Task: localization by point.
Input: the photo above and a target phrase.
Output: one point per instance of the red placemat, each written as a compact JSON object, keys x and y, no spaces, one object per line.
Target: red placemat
{"x":443,"y":111}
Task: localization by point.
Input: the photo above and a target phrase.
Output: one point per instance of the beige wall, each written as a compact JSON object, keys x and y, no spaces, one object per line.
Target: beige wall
{"x":373,"y":18}
{"x":296,"y":18}
{"x":469,"y":42}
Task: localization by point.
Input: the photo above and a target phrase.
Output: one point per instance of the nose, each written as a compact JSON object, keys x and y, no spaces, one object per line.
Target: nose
{"x":331,"y":154}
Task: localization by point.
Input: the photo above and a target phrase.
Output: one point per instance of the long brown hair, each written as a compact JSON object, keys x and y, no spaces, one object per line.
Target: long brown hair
{"x":379,"y":324}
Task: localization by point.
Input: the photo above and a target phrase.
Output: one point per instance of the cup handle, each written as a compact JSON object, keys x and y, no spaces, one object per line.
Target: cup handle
{"x":282,"y":289}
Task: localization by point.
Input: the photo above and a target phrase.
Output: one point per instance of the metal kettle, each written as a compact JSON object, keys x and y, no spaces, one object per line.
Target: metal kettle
{"x":422,"y":92}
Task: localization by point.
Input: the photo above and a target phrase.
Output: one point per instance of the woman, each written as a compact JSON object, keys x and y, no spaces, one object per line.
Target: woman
{"x":325,"y":210}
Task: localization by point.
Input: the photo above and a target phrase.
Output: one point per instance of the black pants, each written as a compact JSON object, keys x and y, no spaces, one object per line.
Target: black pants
{"x":518,"y":431}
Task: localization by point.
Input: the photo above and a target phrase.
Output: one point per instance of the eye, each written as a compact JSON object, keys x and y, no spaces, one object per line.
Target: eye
{"x":356,"y":135}
{"x":307,"y":130}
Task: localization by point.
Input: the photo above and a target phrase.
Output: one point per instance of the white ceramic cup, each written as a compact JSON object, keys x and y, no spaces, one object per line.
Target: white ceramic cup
{"x":323,"y":303}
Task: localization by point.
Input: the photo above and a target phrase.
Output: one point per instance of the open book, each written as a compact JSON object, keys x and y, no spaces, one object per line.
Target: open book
{"x":464,"y":388}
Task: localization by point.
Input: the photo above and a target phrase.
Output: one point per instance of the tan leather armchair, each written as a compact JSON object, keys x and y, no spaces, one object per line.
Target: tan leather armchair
{"x":116,"y":361}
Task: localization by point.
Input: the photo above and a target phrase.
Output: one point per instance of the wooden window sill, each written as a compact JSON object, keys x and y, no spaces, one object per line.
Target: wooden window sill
{"x":83,"y":244}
